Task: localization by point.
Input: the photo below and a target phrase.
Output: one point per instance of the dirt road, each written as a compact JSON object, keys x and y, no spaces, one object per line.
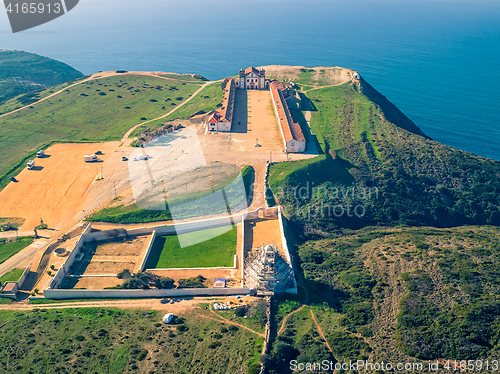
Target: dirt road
{"x":168,"y":305}
{"x":125,"y":138}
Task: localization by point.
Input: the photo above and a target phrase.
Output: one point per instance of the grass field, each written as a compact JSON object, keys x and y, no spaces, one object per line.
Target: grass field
{"x":94,"y":111}
{"x":15,"y":222}
{"x":206,"y":100}
{"x":218,"y":251}
{"x":7,"y":250}
{"x":22,"y":72}
{"x":112,"y":341}
{"x":11,"y":276}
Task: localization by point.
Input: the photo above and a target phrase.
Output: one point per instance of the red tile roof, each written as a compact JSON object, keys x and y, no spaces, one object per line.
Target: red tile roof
{"x":252,"y":69}
{"x":291,"y":130}
{"x":226,"y":110}
{"x":214,"y":117}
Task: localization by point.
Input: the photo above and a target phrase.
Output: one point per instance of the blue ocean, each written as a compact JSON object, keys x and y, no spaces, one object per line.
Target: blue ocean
{"x":438,"y":61}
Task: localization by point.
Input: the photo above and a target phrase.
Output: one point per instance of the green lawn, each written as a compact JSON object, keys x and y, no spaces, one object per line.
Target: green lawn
{"x":8,"y":250}
{"x":217,"y":251}
{"x":11,"y":276}
{"x":99,"y":110}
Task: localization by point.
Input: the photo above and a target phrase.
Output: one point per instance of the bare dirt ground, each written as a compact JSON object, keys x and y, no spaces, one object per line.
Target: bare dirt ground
{"x":107,"y":267}
{"x":113,"y":257}
{"x":255,"y":119}
{"x":262,"y":231}
{"x":57,"y":190}
{"x":97,"y":283}
{"x":167,"y":305}
{"x":210,"y":274}
{"x":323,"y":75}
{"x":132,"y":246}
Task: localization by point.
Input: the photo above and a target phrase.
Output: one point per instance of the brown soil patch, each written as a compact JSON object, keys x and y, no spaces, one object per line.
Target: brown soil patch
{"x":97,"y":283}
{"x":112,"y":257}
{"x":231,"y":275}
{"x":107,"y":267}
{"x":132,"y":246}
{"x":262,"y":232}
{"x":58,"y":189}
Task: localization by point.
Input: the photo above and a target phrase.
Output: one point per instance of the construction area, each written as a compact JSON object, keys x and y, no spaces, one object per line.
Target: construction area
{"x":96,"y":257}
{"x":267,"y":266}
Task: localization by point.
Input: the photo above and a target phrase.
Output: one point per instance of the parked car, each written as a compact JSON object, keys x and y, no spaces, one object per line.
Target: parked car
{"x":124,"y":158}
{"x":98,"y":153}
{"x":12,"y":179}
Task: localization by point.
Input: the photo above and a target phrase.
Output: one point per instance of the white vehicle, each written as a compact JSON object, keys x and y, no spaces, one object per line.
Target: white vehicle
{"x":40,"y":153}
{"x":90,"y":158}
{"x":31,"y":164}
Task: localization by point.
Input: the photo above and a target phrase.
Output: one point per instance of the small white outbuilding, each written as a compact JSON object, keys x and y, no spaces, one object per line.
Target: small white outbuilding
{"x":167,"y":318}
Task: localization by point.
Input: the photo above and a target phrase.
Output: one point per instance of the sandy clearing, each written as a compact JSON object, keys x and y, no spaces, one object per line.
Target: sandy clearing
{"x":262,"y":231}
{"x":131,"y":247}
{"x":265,"y":231}
{"x":332,"y":74}
{"x":113,"y":257}
{"x":57,"y":191}
{"x":97,"y":283}
{"x":255,"y":119}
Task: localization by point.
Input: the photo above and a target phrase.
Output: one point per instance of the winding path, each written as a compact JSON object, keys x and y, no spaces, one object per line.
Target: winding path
{"x":321,"y":331}
{"x":127,"y":134}
{"x":223,"y":320}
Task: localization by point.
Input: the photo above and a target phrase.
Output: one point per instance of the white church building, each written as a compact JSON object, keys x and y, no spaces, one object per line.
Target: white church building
{"x":252,"y":79}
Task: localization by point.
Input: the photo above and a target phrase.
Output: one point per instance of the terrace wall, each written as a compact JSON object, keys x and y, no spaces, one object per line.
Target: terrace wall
{"x":64,"y":269}
{"x":148,"y":251}
{"x":20,"y":282}
{"x":288,"y":257}
{"x":84,"y":294}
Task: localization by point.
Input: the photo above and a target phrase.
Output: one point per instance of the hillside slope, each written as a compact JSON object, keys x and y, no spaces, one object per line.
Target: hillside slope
{"x":396,"y":295}
{"x":23,"y":72}
{"x":380,"y":163}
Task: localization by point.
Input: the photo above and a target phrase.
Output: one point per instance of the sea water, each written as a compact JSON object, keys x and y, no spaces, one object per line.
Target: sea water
{"x":438,"y":61}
